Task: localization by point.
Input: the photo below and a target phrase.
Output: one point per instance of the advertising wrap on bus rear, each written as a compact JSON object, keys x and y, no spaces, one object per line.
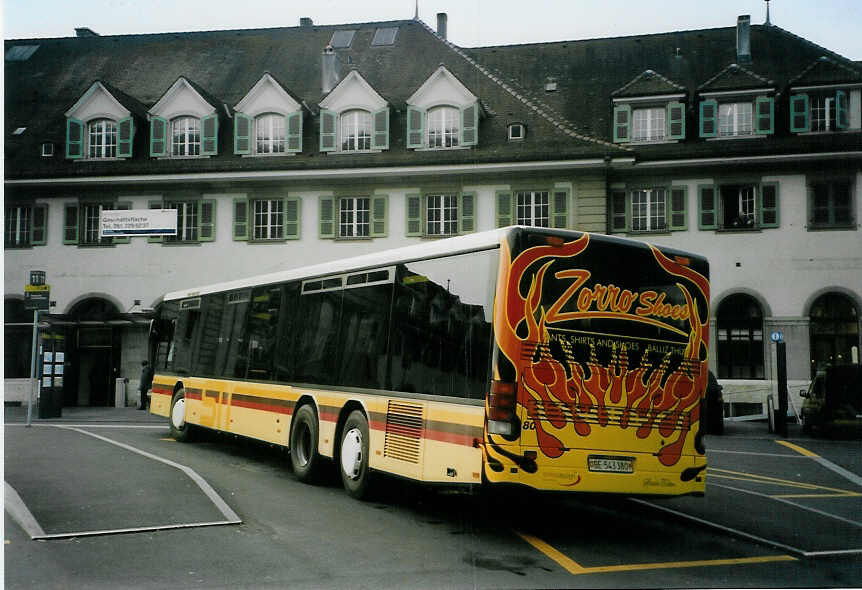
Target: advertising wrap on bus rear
{"x":600,"y":366}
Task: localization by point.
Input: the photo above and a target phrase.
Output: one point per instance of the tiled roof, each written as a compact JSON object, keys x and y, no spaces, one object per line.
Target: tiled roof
{"x":734,"y":77}
{"x":648,"y":83}
{"x":826,"y":70}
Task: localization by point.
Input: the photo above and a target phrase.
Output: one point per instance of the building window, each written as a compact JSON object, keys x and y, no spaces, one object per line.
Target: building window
{"x":186,"y":136}
{"x":740,"y":338}
{"x":822,"y":113}
{"x":270,"y":135}
{"x":831,"y":204}
{"x":268,"y":219}
{"x":354,"y":217}
{"x":738,"y":206}
{"x":102,"y":139}
{"x":735,"y":119}
{"x":47,"y":150}
{"x":385,"y":36}
{"x":649,"y":210}
{"x":648,"y":124}
{"x":834,"y":328}
{"x":444,"y":127}
{"x":517,"y":131}
{"x":441,"y":215}
{"x":17,"y":226}
{"x":187,"y":221}
{"x":81,"y":223}
{"x":532,"y":208}
{"x":355,"y":131}
{"x":743,"y":206}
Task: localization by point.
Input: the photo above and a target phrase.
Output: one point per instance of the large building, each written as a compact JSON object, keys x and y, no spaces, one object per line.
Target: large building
{"x":287,"y":146}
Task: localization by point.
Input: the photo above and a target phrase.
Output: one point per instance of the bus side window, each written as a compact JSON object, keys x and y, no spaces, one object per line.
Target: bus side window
{"x":263,"y":321}
{"x":364,"y":336}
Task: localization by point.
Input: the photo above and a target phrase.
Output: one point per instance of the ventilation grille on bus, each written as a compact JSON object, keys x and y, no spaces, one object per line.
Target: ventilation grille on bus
{"x":404,"y":424}
{"x":546,"y":410}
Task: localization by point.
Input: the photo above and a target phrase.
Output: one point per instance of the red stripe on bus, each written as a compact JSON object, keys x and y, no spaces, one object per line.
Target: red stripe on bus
{"x":261,"y":405}
{"x":193,"y":394}
{"x":454,"y":438}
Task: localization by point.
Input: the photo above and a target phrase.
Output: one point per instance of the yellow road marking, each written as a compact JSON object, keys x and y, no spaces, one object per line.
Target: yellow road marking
{"x":797,"y":448}
{"x":765,"y":479}
{"x":576,"y":569}
{"x":168,"y":439}
{"x":840,"y":495}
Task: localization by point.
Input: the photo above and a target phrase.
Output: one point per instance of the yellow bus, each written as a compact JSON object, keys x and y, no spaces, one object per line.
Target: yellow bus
{"x":553,"y":359}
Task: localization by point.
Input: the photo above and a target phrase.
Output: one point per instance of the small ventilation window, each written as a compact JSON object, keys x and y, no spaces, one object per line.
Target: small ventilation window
{"x":20,"y":52}
{"x":47,"y":150}
{"x":385,"y":36}
{"x":342,"y":39}
{"x":517,"y":131}
{"x":19,"y":131}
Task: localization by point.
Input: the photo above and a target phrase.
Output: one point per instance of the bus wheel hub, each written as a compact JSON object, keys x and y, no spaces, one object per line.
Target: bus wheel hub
{"x":351,"y":453}
{"x":178,"y":414}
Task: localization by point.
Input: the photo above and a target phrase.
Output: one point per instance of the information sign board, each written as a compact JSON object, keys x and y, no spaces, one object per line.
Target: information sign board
{"x":137,"y":222}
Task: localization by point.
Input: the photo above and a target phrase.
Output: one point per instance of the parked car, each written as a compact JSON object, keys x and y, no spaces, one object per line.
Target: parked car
{"x":714,"y":418}
{"x":833,"y":401}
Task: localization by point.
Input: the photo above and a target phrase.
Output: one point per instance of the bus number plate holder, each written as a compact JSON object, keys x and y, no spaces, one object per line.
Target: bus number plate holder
{"x":611,"y":464}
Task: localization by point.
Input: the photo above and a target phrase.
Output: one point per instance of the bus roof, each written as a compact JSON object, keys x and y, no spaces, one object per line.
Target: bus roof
{"x":445,"y":247}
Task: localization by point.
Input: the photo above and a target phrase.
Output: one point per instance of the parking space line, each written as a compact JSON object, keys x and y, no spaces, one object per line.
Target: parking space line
{"x":848,"y":475}
{"x":576,"y":569}
{"x":767,"y":480}
{"x":19,"y":512}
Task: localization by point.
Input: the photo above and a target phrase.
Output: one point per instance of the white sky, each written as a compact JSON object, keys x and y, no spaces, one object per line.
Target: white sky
{"x":834,"y":24}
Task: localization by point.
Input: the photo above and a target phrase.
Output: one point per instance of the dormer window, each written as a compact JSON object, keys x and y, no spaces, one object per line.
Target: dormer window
{"x":649,"y":108}
{"x":442,"y":114}
{"x":735,"y":119}
{"x":354,"y":118}
{"x":268,"y":121}
{"x":102,"y":139}
{"x":648,"y":124}
{"x":185,"y":137}
{"x":736,"y":102}
{"x":269,"y":134}
{"x":825,"y":98}
{"x":444,"y":127}
{"x":355,"y":130}
{"x":183,"y":124}
{"x":98,"y":127}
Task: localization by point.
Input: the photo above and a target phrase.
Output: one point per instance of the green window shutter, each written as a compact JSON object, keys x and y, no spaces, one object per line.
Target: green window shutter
{"x":707,"y":207}
{"x":678,"y":206}
{"x":125,"y":135}
{"x":39,"y":233}
{"x":467,"y":213}
{"x":504,"y":208}
{"x":293,"y":124}
{"x":414,"y":215}
{"x":74,"y":139}
{"x":326,"y":217}
{"x":764,"y":115}
{"x":560,"y":208}
{"x":708,"y":118}
{"x":380,"y":135}
{"x":292,"y":218}
{"x":619,"y":211}
{"x":206,"y":230}
{"x":379,"y":215}
{"x":769,"y":204}
{"x":154,"y":205}
{"x":799,"y":113}
{"x":158,"y":137}
{"x":122,"y":206}
{"x":415,"y":127}
{"x":675,"y":120}
{"x":209,"y":135}
{"x":842,"y":118}
{"x":327,"y":131}
{"x":241,"y":134}
{"x":470,"y":124}
{"x":70,"y":224}
{"x":622,"y":123}
{"x":240,"y":218}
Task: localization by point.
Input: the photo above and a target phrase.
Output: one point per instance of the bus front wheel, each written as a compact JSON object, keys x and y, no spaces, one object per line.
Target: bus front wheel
{"x":354,"y":455}
{"x":304,"y":456}
{"x":181,"y":431}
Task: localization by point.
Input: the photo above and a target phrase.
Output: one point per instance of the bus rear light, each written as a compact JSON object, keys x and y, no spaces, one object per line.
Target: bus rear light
{"x":501,"y":401}
{"x":502,"y":427}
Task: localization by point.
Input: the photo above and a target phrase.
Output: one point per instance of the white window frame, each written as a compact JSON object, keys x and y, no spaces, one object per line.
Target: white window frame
{"x":649,"y":210}
{"x":354,"y":217}
{"x":267,"y":216}
{"x":185,"y":136}
{"x":18,"y":224}
{"x":443,"y":127}
{"x":187,"y":221}
{"x":270,"y":134}
{"x":355,"y":131}
{"x":822,"y":112}
{"x":441,"y":214}
{"x":533,"y":208}
{"x":101,"y":139}
{"x":90,"y":221}
{"x":516,"y":132}
{"x":735,"y":119}
{"x":649,"y":124}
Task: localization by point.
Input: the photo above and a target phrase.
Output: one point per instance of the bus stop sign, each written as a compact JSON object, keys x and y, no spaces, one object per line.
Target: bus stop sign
{"x":37,"y":297}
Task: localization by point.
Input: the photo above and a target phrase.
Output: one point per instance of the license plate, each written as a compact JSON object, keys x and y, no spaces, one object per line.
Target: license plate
{"x":611,"y":464}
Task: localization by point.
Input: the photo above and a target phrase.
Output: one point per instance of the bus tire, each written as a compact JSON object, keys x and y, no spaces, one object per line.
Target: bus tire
{"x":304,"y":456}
{"x":353,"y":456}
{"x":181,"y":431}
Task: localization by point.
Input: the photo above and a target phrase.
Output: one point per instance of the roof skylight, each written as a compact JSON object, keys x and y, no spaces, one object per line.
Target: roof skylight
{"x":385,"y":36}
{"x":20,"y":52}
{"x":342,"y":39}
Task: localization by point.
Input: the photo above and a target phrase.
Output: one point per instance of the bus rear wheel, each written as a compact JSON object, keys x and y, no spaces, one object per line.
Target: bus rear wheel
{"x":304,"y":456}
{"x":181,"y":431}
{"x":354,"y":456}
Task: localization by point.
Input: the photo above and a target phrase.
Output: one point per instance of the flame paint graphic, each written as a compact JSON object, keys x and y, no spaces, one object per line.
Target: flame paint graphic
{"x":561,"y":396}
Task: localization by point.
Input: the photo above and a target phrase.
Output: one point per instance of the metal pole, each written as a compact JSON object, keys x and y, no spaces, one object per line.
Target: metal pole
{"x":33,"y":366}
{"x":781,"y":425}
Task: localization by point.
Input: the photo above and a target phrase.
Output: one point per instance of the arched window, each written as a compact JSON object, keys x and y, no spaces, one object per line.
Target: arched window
{"x":444,"y":127}
{"x":834,"y":330}
{"x":102,"y":139}
{"x":269,"y":131}
{"x":186,"y":136}
{"x":355,"y":131}
{"x":740,"y":338}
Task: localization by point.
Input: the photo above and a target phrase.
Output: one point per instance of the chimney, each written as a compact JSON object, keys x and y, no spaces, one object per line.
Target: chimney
{"x":441,"y":24}
{"x":743,"y":39}
{"x":329,"y":71}
{"x":85,"y":32}
{"x":304,"y":21}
